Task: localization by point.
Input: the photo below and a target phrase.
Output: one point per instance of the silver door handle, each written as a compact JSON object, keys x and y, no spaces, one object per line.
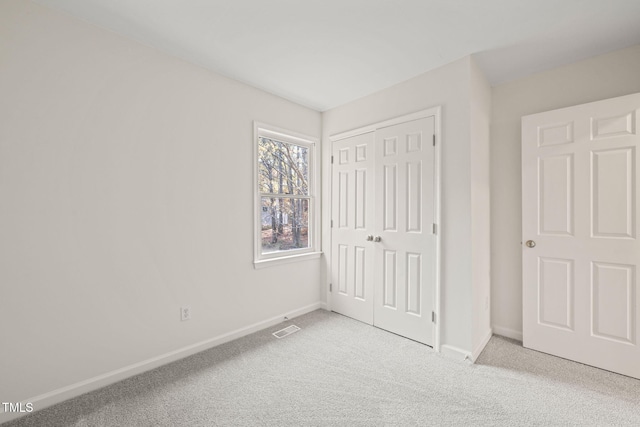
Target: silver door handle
{"x":369,"y":238}
{"x":377,"y":239}
{"x":530,"y":244}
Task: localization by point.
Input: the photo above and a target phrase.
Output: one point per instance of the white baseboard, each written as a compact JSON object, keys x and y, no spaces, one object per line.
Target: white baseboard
{"x":64,"y":393}
{"x":509,"y":333}
{"x":455,"y":352}
{"x":460,"y":354}
{"x":481,"y":346}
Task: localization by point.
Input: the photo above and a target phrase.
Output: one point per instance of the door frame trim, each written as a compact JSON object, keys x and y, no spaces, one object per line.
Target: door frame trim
{"x":436,"y":113}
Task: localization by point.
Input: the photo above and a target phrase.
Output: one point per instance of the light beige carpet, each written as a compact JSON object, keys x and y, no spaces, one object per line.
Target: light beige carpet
{"x":337,"y":371}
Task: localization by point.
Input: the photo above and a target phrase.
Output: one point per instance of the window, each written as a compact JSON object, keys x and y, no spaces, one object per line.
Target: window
{"x":285,"y":199}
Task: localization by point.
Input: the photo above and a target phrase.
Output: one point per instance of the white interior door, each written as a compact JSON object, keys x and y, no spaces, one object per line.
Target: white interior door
{"x":383,"y":247}
{"x":580,"y":219}
{"x":406,"y":250}
{"x":352,"y":221}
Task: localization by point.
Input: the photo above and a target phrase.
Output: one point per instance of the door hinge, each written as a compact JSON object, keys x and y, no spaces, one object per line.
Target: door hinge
{"x":434,"y":139}
{"x":331,"y":159}
{"x":330,"y":287}
{"x":433,"y":317}
{"x":435,"y":228}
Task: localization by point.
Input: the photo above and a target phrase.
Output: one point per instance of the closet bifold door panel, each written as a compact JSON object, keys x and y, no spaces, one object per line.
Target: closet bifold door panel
{"x":383,"y":228}
{"x":580,"y":214}
{"x":405,"y":247}
{"x":352,"y":227}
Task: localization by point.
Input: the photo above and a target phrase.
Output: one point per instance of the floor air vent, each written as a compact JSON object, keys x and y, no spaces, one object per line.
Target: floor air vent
{"x":286,"y":331}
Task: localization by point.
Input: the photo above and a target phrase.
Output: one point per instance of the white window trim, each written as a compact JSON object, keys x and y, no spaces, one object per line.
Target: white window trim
{"x":276,"y":258}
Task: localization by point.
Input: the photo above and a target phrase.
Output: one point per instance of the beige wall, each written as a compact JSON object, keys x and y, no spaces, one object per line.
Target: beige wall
{"x":601,"y":77}
{"x":125,"y":191}
{"x":479,"y":164}
{"x":450,"y":88}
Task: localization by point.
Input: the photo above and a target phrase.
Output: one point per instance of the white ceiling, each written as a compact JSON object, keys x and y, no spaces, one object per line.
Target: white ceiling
{"x":323,"y":53}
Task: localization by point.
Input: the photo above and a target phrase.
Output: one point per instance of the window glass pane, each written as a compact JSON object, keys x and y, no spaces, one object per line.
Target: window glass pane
{"x":283,"y":167}
{"x":285,"y":224}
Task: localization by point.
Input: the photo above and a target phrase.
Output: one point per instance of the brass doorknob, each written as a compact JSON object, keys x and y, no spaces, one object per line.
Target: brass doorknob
{"x":530,"y":244}
{"x":369,"y":238}
{"x":377,"y":239}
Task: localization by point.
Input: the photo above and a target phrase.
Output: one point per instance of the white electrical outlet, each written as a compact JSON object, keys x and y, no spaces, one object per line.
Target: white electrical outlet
{"x":185,"y":313}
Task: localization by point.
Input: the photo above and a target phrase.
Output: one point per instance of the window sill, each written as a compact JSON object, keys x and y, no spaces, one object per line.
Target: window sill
{"x":263,"y":263}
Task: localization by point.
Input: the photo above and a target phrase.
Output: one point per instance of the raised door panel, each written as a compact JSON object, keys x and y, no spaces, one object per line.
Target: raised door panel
{"x":360,"y":199}
{"x":413,"y":292}
{"x":555,"y":195}
{"x":613,"y":302}
{"x":390,"y":197}
{"x":555,"y":293}
{"x":414,"y":197}
{"x":360,"y":267}
{"x":390,"y":279}
{"x":343,"y":199}
{"x":613,"y":193}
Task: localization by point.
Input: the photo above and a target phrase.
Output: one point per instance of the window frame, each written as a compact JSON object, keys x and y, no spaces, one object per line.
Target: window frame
{"x":261,"y":130}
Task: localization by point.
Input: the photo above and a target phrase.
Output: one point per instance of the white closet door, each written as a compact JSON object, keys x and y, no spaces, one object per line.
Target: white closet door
{"x":406,"y":250}
{"x":580,"y":233}
{"x":352,"y":215}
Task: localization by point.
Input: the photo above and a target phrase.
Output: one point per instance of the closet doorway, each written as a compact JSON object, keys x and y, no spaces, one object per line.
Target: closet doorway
{"x":384,"y":242}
